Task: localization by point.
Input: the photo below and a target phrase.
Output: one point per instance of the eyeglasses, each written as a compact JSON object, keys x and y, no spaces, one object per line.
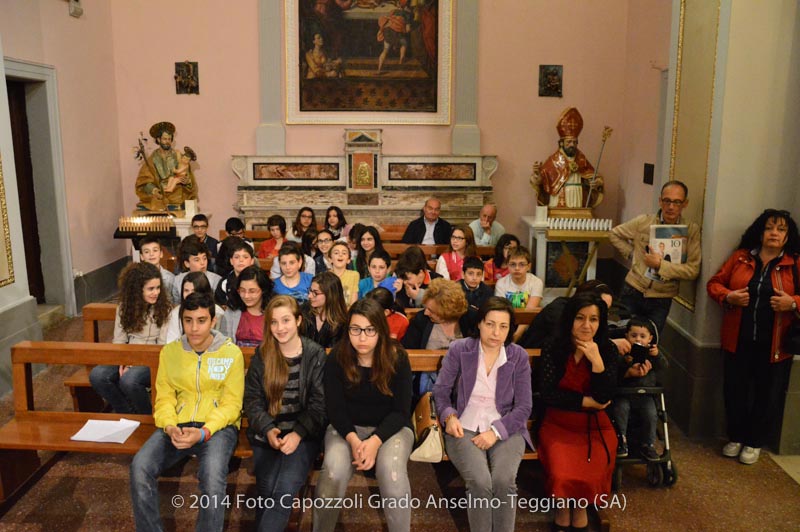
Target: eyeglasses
{"x":315,"y":293}
{"x":199,"y":227}
{"x":676,"y":202}
{"x":356,"y":331}
{"x":456,"y":237}
{"x":324,"y":241}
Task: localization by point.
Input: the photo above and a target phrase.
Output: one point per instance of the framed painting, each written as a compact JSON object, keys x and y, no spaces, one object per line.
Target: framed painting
{"x":565,"y":261}
{"x":368,"y":61}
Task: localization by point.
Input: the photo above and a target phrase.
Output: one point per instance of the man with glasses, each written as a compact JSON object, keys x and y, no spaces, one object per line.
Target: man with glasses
{"x":645,"y":297}
{"x":200,"y":230}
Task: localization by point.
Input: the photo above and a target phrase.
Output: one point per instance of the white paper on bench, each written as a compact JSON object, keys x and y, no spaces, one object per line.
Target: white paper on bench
{"x":106,"y":431}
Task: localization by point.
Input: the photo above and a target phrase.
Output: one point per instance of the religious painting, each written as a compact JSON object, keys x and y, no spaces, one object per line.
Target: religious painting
{"x":278,"y":171}
{"x":565,"y":262}
{"x":368,"y":61}
{"x":432,"y":171}
{"x":550,"y":80}
{"x":363,"y":174}
{"x":6,"y":262}
{"x":187,"y":78}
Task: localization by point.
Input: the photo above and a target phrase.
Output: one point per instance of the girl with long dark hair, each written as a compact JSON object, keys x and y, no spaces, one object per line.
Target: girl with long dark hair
{"x":368,"y":397}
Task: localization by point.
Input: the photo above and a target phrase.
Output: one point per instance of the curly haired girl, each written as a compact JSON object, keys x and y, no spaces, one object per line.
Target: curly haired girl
{"x":142,"y":317}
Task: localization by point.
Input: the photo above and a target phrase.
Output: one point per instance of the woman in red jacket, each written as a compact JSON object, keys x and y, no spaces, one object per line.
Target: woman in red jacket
{"x":757,"y":288}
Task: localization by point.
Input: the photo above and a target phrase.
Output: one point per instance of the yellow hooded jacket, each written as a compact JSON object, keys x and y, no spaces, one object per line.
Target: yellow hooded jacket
{"x":205,"y":388}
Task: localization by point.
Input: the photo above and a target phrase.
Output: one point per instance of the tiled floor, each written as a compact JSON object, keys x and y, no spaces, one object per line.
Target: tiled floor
{"x":790,"y":464}
{"x":90,"y":492}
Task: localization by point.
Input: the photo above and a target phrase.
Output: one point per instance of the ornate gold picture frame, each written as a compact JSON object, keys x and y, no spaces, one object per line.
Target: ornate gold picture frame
{"x":6,"y":262}
{"x":368,"y":62}
{"x":694,"y":99}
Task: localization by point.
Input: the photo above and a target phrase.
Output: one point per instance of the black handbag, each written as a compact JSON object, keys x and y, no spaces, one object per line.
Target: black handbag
{"x":791,"y":340}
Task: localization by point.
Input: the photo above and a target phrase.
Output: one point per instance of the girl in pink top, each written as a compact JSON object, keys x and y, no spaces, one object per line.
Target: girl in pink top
{"x":462,"y":244}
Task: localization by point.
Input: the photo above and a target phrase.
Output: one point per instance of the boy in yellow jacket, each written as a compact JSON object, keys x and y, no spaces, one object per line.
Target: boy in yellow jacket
{"x":199,"y":389}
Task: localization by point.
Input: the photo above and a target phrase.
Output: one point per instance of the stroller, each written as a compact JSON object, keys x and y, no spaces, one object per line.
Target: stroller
{"x":661,"y":472}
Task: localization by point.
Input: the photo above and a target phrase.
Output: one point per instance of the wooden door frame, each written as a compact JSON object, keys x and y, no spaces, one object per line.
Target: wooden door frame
{"x":50,"y":167}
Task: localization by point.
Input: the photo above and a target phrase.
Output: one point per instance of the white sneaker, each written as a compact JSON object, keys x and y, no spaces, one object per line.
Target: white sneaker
{"x":749,"y":455}
{"x":732,"y":449}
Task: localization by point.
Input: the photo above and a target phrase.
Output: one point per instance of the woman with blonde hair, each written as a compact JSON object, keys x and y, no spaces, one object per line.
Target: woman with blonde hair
{"x":446,"y":318}
{"x":285,"y":406}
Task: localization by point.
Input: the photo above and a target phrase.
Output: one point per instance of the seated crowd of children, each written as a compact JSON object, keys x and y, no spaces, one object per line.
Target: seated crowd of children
{"x":338,"y":289}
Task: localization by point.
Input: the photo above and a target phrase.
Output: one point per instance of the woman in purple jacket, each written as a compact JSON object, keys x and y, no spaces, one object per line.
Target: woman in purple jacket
{"x":488,"y":423}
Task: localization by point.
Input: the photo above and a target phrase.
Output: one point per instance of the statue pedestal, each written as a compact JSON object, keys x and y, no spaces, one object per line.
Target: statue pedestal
{"x":564,"y":254}
{"x":565,"y":212}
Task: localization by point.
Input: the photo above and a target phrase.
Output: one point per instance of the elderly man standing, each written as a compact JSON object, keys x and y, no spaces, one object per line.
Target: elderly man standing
{"x":486,"y":230}
{"x":647,"y":297}
{"x":428,"y":228}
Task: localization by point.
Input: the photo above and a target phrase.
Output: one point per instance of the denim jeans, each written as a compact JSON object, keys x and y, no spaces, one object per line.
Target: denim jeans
{"x":279,"y":477}
{"x":158,"y":454}
{"x":652,"y":308}
{"x":488,"y":475}
{"x":128,"y":394}
{"x":645,"y":407}
{"x":391,"y":470}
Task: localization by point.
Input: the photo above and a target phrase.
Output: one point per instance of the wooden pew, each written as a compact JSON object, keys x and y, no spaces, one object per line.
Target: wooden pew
{"x":396,"y":249}
{"x":31,"y":430}
{"x":522,"y":316}
{"x":84,"y":398}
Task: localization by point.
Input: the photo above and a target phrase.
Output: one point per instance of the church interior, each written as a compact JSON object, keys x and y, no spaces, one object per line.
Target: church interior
{"x":706,"y":92}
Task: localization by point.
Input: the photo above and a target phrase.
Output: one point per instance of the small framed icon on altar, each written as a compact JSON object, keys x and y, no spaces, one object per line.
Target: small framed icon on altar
{"x":363,"y":170}
{"x":566,"y":262}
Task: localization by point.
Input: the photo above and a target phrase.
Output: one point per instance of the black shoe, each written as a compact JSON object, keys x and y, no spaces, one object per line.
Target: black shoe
{"x":650,"y":454}
{"x":622,"y":448}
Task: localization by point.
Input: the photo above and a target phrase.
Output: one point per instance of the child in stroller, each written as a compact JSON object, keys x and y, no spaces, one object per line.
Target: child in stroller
{"x":638,"y":369}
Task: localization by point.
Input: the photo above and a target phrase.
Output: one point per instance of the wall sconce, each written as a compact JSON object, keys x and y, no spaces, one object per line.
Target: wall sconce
{"x":75,"y":9}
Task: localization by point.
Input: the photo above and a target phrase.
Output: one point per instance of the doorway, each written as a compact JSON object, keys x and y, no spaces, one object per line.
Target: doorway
{"x":20,"y":134}
{"x":34,"y":90}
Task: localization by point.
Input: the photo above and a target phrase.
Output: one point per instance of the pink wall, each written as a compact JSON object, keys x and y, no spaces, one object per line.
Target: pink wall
{"x":647,"y":52}
{"x":41,"y":31}
{"x":115,"y":70}
{"x":217,"y":123}
{"x":519,"y":126}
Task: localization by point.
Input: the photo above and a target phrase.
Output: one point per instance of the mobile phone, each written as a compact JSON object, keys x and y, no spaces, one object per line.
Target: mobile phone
{"x":639,"y":353}
{"x":647,"y":248}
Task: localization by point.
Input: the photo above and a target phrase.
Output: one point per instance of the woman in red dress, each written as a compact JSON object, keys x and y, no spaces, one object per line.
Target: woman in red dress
{"x":577,"y":376}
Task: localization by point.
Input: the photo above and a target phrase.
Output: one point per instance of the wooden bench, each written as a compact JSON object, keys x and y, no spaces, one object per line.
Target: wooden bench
{"x":395,"y":249}
{"x":523,"y":316}
{"x":31,"y":430}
